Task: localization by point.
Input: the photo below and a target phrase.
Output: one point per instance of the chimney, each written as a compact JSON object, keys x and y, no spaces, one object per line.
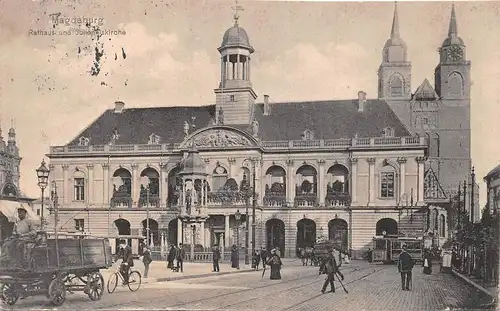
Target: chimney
{"x":266,"y":105}
{"x":361,"y":100}
{"x":119,"y":106}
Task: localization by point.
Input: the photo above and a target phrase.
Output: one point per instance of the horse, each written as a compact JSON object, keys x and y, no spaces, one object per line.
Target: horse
{"x":306,"y":254}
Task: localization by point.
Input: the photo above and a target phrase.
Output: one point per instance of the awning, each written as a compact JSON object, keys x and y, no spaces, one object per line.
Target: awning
{"x":9,"y":209}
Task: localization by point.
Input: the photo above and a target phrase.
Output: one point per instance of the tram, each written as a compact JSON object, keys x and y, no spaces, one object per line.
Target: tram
{"x":387,"y":248}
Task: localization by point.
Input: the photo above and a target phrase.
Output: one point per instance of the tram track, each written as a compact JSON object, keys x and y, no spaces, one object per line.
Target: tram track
{"x":216,"y":297}
{"x":226,"y":306}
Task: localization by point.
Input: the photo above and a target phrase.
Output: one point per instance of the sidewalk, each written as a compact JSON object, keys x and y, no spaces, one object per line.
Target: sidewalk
{"x":489,"y":289}
{"x":158,"y":271}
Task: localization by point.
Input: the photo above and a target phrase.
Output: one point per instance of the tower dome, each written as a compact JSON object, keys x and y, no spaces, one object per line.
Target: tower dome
{"x":236,"y":36}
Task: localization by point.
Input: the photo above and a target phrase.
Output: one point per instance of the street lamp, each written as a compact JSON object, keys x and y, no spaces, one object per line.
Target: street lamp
{"x":43,"y":176}
{"x":254,"y":203}
{"x":146,"y":179}
{"x":237,"y":215}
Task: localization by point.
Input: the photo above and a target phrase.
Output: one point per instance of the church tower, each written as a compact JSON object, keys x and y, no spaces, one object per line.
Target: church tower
{"x":452,"y":84}
{"x":394,"y":73}
{"x":235,"y":97}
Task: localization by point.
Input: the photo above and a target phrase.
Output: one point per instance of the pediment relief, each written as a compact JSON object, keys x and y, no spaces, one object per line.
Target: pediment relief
{"x":217,"y":138}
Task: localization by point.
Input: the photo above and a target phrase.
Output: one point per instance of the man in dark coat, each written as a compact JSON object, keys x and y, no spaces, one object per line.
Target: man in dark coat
{"x":405,"y":265}
{"x":216,"y":258}
{"x":125,"y":254}
{"x":330,"y":268}
{"x":235,"y":260}
{"x":180,"y":254}
{"x":263,"y":256}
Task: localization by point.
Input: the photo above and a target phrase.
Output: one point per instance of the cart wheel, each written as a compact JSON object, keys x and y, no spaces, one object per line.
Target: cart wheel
{"x":112,"y":282}
{"x":134,"y":281}
{"x":57,"y":292}
{"x":9,"y":295}
{"x":96,"y":286}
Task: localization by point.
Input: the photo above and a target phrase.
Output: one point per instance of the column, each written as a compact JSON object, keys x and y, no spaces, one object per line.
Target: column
{"x":290,"y":184}
{"x":248,"y":72}
{"x":321,"y":187}
{"x":163,"y":185}
{"x":238,"y":64}
{"x":105,"y":184}
{"x":233,"y":72}
{"x":420,"y":184}
{"x":402,"y":180}
{"x":222,"y":74}
{"x":371,"y":189}
{"x":202,"y":234}
{"x":354,"y":179}
{"x":135,"y":184}
{"x":227,"y":233}
{"x":179,"y":231}
{"x":65,"y":184}
{"x":90,"y":182}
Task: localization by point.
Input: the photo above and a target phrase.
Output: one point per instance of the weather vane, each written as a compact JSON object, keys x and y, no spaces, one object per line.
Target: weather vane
{"x":237,"y":8}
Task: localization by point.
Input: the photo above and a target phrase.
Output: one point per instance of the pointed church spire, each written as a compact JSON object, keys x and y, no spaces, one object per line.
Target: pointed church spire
{"x":452,"y":31}
{"x":395,"y":23}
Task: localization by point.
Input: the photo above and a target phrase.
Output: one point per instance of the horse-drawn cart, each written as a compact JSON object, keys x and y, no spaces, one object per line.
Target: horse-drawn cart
{"x":56,"y":266}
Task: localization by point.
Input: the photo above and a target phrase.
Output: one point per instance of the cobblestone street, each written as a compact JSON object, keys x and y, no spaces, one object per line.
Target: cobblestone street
{"x":370,"y":287}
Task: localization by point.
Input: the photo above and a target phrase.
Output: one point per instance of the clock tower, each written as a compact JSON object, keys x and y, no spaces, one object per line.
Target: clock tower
{"x":452,"y":85}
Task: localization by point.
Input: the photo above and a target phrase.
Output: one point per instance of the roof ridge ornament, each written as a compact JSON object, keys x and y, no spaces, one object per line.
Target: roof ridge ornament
{"x":237,"y":8}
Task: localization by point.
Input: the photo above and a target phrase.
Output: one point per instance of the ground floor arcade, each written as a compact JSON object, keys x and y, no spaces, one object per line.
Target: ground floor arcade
{"x":286,"y":229}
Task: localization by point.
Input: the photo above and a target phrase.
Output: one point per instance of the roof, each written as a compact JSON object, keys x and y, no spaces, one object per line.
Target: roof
{"x":287,"y":121}
{"x":236,"y":36}
{"x":425,"y":92}
{"x":193,"y":164}
{"x":493,"y":172}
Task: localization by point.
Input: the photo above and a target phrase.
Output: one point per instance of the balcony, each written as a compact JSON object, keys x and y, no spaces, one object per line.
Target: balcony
{"x":335,"y":199}
{"x":275,"y":199}
{"x":122,"y":201}
{"x":321,"y":144}
{"x":227,"y":198}
{"x":306,"y":200}
{"x":154,"y":201}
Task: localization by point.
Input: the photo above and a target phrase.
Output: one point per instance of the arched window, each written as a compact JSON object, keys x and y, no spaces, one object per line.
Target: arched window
{"x":442,"y":226}
{"x":434,"y":150}
{"x":308,"y":135}
{"x":455,"y":84}
{"x":83,"y":141}
{"x":388,"y":182}
{"x":435,"y":220}
{"x":79,"y":186}
{"x":153,"y":139}
{"x":388,"y":132}
{"x":396,"y":86}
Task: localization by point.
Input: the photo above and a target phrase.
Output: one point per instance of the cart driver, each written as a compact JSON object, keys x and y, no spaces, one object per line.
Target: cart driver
{"x":24,"y":232}
{"x":125,"y":254}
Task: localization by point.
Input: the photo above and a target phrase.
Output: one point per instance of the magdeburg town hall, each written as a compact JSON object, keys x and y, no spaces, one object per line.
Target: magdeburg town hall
{"x":347,"y":170}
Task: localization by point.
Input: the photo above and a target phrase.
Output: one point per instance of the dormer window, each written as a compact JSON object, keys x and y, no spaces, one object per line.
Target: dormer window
{"x":115,"y":136}
{"x":308,"y":135}
{"x":388,"y":132}
{"x":153,"y":139}
{"x":84,"y":141}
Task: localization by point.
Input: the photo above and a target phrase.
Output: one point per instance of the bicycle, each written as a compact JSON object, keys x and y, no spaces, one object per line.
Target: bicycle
{"x":134,"y":278}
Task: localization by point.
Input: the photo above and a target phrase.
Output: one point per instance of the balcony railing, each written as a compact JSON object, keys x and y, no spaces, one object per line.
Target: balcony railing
{"x":336,"y":144}
{"x":125,"y":201}
{"x":337,"y":199}
{"x":223,"y":198}
{"x":154,"y":201}
{"x":275,"y":199}
{"x":306,"y":200}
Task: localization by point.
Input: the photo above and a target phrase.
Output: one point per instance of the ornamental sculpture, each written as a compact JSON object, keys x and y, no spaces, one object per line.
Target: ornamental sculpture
{"x":219,"y":138}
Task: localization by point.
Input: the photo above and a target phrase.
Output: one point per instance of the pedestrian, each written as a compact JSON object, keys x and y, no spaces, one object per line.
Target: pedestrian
{"x":405,"y":265}
{"x":275,"y":262}
{"x":338,"y":260}
{"x":146,"y":260}
{"x":180,"y":254}
{"x":171,"y":257}
{"x":263,"y":256}
{"x":216,"y":258}
{"x":256,"y":260}
{"x":329,"y":267}
{"x":427,"y":262}
{"x":234,"y":257}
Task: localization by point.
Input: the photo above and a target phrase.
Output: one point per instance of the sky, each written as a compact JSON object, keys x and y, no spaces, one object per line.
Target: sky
{"x":164,"y":53}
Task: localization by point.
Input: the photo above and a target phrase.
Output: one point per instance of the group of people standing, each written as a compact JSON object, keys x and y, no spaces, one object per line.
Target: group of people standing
{"x":177,"y":254}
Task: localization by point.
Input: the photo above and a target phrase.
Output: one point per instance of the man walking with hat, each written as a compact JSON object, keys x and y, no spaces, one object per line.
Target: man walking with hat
{"x":405,"y":265}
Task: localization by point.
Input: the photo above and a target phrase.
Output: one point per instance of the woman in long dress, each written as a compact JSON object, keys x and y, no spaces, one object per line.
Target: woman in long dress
{"x":234,"y":257}
{"x":171,"y":257}
{"x":427,"y":262}
{"x":275,"y":262}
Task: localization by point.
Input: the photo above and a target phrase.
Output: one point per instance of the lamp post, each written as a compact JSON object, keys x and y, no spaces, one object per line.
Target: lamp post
{"x":43,"y":176}
{"x":145,"y":179}
{"x":55,"y":200}
{"x":254,"y":203}
{"x":193,"y":239}
{"x":237,"y":216}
